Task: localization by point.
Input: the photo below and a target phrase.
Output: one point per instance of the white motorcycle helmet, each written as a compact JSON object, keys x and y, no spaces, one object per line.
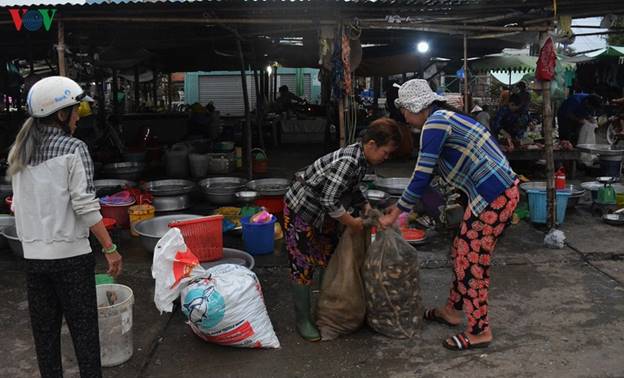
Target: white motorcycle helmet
{"x":52,"y":94}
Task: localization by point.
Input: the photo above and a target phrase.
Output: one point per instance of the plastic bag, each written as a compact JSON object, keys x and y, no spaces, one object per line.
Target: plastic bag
{"x":227,"y":308}
{"x":392,"y":281}
{"x":342,"y":303}
{"x":546,"y":62}
{"x":555,"y":239}
{"x":223,"y":304}
{"x":587,"y":135}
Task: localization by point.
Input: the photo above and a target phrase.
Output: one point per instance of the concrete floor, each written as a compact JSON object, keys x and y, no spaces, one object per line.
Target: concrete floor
{"x":554,"y":313}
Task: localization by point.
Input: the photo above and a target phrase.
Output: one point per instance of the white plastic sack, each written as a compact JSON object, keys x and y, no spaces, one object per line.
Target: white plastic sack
{"x":587,"y":135}
{"x":224,"y":304}
{"x":227,"y":308}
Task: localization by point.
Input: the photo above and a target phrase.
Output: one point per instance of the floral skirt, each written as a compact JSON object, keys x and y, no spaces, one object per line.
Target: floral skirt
{"x":472,"y":250}
{"x":308,"y":247}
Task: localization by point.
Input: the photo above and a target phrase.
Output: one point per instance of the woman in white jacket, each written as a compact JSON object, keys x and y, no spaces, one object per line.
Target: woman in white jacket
{"x":55,"y":207}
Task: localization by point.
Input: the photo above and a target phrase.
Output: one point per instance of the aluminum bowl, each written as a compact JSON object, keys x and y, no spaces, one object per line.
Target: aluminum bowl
{"x":5,"y":221}
{"x":161,"y":188}
{"x":125,"y":170}
{"x":246,"y":196}
{"x":392,"y":185}
{"x":269,"y":186}
{"x":172,"y":203}
{"x":377,"y":198}
{"x":10,"y":233}
{"x":222,"y":190}
{"x":107,"y":187}
{"x":232,"y":256}
{"x":151,"y":230}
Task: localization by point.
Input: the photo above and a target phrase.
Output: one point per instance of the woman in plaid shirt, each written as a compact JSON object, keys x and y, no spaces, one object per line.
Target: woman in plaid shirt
{"x":465,"y":155}
{"x":316,"y":203}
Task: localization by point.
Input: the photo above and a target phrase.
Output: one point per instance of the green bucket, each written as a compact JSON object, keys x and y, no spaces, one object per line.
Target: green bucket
{"x":104,"y":279}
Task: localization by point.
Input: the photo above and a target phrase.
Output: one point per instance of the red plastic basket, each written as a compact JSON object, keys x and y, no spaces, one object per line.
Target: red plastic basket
{"x":204,"y":236}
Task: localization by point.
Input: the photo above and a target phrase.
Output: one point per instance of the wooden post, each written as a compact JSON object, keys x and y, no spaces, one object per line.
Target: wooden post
{"x":275,"y":83}
{"x":549,"y":155}
{"x":169,"y":99}
{"x":466,"y":105}
{"x":155,"y":89}
{"x":137,"y":93}
{"x":259,"y":110}
{"x":247,"y":129}
{"x":341,"y":122}
{"x":114,"y":89}
{"x":61,"y":49}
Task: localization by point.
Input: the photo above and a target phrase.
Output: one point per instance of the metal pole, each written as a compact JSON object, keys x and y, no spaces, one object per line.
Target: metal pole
{"x":466,"y":105}
{"x":61,"y":49}
{"x":114,"y":89}
{"x":137,"y":94}
{"x":259,"y":109}
{"x":169,"y":100}
{"x":275,"y":83}
{"x":247,"y":130}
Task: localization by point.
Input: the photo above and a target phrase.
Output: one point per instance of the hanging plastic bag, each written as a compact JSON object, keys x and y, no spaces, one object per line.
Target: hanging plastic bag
{"x":224,"y":304}
{"x":392,"y":281}
{"x":546,"y":62}
{"x":342,"y":303}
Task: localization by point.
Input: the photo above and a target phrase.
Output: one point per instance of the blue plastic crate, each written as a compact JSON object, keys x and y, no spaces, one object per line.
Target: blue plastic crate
{"x":538,"y":209}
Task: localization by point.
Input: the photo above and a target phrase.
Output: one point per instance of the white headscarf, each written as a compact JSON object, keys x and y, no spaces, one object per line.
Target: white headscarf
{"x":415,"y":95}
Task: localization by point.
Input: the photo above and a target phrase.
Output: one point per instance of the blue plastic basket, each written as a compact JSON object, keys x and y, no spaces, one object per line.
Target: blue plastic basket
{"x":259,"y":238}
{"x":538,"y":209}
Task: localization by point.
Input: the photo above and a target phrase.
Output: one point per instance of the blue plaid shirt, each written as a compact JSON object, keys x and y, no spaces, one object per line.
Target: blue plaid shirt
{"x":465,"y":155}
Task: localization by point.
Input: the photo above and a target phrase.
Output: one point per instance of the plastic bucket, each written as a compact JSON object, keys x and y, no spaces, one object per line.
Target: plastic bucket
{"x":115,"y":323}
{"x":138,"y":213}
{"x":538,"y":211}
{"x":118,"y":213}
{"x":199,"y":164}
{"x":272,"y":204}
{"x":258,"y":238}
{"x":611,"y":166}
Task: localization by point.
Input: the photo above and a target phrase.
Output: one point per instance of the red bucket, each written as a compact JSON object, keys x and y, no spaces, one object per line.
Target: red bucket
{"x":118,"y":213}
{"x":272,"y":204}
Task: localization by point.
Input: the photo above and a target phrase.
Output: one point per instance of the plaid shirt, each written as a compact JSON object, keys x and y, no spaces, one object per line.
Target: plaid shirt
{"x":57,"y":142}
{"x":464,"y":154}
{"x":325,"y":185}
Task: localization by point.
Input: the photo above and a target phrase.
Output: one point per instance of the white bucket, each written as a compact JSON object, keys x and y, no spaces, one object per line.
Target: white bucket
{"x":199,"y":164}
{"x":115,"y":323}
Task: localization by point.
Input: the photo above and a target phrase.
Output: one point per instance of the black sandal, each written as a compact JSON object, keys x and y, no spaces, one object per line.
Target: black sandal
{"x":431,"y":316}
{"x":462,"y":342}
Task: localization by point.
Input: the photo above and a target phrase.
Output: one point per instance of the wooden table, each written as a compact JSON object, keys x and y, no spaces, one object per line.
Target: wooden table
{"x":534,"y":155}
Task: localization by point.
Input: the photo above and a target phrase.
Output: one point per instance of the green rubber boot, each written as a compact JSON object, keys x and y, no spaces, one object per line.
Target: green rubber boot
{"x":303,"y":315}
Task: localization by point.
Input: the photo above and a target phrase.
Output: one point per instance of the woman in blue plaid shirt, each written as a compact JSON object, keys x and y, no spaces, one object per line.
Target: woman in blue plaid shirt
{"x":465,"y":155}
{"x":316,"y":203}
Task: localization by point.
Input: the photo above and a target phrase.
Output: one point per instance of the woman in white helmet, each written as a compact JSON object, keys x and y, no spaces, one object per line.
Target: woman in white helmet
{"x":55,"y":207}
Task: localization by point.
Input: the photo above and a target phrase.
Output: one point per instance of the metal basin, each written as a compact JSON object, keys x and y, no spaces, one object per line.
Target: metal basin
{"x":593,"y":187}
{"x":169,"y":187}
{"x":10,"y":233}
{"x":601,"y":149}
{"x":392,"y":185}
{"x":232,"y":256}
{"x":5,"y":221}
{"x":222,"y":190}
{"x":613,"y":219}
{"x":376,"y":198}
{"x":125,"y":171}
{"x":246,"y":196}
{"x":269,"y":186}
{"x":107,"y":187}
{"x":172,"y":203}
{"x":151,"y":230}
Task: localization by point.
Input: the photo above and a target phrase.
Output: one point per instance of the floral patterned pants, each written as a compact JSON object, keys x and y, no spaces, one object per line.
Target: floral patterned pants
{"x":471,"y":251}
{"x":308,"y":247}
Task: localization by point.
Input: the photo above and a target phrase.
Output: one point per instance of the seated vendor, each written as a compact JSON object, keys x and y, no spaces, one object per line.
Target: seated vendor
{"x":573,"y":112}
{"x":512,"y":118}
{"x":287,"y":99}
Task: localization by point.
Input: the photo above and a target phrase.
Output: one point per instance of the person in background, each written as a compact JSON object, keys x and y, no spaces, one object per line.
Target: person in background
{"x":511,"y":118}
{"x":463,"y":153}
{"x":317,"y":202}
{"x":503,"y":99}
{"x":287,"y":99}
{"x":573,"y":112}
{"x":55,"y":207}
{"x":481,"y":115}
{"x":523,"y":95}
